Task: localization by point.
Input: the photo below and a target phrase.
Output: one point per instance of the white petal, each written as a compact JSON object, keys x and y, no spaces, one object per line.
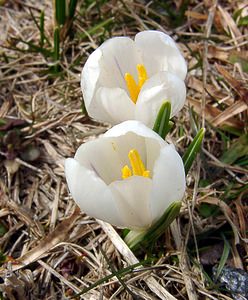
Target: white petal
{"x":91,"y":193}
{"x":102,"y":157}
{"x":132,"y":198}
{"x":116,"y":104}
{"x":90,"y":76}
{"x":136,"y":127}
{"x":160,"y":53}
{"x":157,"y":89}
{"x":103,"y":77}
{"x":152,"y":153}
{"x":168,"y":181}
{"x":120,"y":54}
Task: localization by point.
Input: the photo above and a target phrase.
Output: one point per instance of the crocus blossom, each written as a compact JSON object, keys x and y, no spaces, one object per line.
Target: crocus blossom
{"x":127,"y":177}
{"x":127,"y":79}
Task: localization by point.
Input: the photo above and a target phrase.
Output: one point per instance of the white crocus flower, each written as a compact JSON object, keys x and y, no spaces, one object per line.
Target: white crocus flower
{"x":127,"y":177}
{"x":127,"y":79}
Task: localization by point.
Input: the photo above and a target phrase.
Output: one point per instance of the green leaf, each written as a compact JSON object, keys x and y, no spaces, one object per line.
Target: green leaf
{"x":243,"y":21}
{"x":193,"y":149}
{"x":72,"y":8}
{"x":60,"y":11}
{"x":143,"y":239}
{"x":162,"y":125}
{"x":237,"y":13}
{"x":237,"y":150}
{"x":224,"y":257}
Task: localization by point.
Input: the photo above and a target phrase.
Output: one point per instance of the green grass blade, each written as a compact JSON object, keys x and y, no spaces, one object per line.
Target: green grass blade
{"x":121,"y":273}
{"x":72,"y":9}
{"x":60,"y":11}
{"x":224,"y":257}
{"x":114,"y":271}
{"x":161,"y":125}
{"x":96,"y":28}
{"x":40,"y":27}
{"x":193,"y":149}
{"x":56,"y":44}
{"x":42,"y":32}
{"x":33,"y":48}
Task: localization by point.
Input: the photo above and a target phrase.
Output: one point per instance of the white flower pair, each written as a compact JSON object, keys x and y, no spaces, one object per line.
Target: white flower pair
{"x":130,"y":175}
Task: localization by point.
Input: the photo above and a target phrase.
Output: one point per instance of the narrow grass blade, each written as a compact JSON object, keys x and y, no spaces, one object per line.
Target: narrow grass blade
{"x":193,"y":149}
{"x":161,"y":125}
{"x":114,"y":271}
{"x":121,"y":273}
{"x":143,"y":239}
{"x":72,"y":8}
{"x":60,"y":11}
{"x":40,"y":26}
{"x":224,"y":257}
{"x":33,"y":48}
{"x":42,"y":32}
{"x":56,"y":44}
{"x":96,"y":28}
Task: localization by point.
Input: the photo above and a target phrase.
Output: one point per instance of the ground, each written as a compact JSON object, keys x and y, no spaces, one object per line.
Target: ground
{"x":51,"y":250}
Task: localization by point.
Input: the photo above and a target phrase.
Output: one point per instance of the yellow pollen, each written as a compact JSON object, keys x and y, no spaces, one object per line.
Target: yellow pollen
{"x":137,"y":165}
{"x":132,"y":86}
{"x":126,"y":172}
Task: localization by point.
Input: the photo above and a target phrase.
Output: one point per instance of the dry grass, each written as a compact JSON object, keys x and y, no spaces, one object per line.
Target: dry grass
{"x":51,"y":251}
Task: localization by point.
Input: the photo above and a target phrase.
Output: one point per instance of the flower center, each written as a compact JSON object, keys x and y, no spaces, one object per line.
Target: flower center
{"x":132,"y":86}
{"x":137,"y":165}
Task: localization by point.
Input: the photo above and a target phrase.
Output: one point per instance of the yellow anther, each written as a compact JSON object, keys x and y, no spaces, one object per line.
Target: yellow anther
{"x":146,"y":173}
{"x":132,"y":86}
{"x":137,"y":165}
{"x":126,"y":172}
{"x":142,"y":75}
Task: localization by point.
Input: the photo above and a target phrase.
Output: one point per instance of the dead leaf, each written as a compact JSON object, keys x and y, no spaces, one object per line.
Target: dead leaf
{"x":234,"y":83}
{"x":230,"y":217}
{"x":212,"y":112}
{"x":195,"y":15}
{"x":51,"y":240}
{"x":197,"y":85}
{"x":228,"y":113}
{"x":26,"y":216}
{"x":228,"y":23}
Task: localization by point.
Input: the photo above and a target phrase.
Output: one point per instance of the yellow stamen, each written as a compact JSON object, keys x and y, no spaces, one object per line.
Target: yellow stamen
{"x":132,"y":86}
{"x":136,"y":162}
{"x":146,"y":173}
{"x":142,"y":75}
{"x":126,"y":172}
{"x":137,"y":165}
